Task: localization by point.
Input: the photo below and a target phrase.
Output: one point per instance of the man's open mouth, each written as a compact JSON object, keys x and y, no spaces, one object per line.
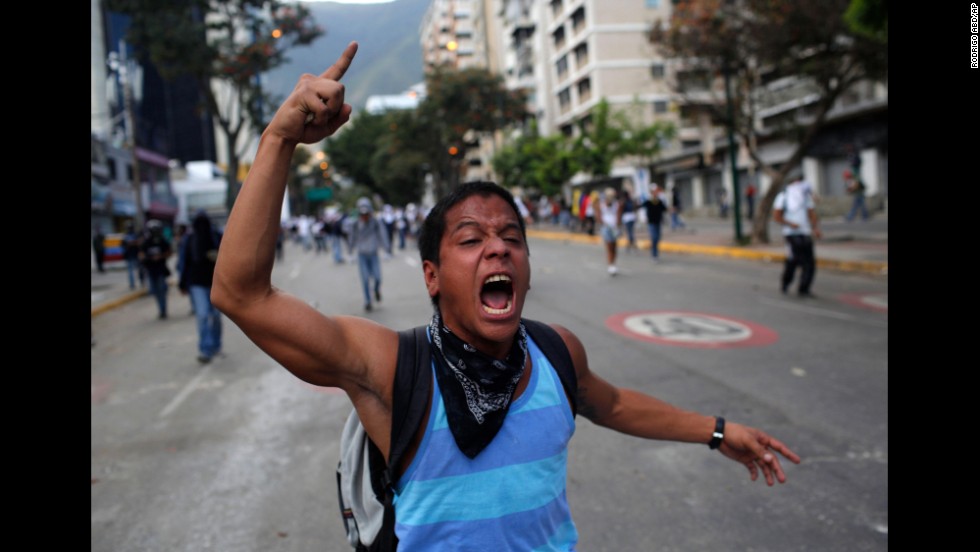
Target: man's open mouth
{"x":497,"y":294}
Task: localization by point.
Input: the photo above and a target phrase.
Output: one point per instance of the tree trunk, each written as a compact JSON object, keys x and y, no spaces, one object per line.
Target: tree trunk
{"x":760,"y":224}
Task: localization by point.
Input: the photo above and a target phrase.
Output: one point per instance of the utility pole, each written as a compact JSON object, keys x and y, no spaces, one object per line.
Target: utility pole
{"x":120,"y":64}
{"x":732,"y":153}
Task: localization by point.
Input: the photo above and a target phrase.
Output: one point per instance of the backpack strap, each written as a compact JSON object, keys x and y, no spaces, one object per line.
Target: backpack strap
{"x":553,"y":347}
{"x":413,"y":377}
{"x":411,"y":392}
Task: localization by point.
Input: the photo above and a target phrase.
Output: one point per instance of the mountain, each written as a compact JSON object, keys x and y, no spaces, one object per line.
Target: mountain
{"x":389,"y":55}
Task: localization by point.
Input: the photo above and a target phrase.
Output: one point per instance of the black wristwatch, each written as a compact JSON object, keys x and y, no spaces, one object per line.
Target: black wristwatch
{"x":719,"y":433}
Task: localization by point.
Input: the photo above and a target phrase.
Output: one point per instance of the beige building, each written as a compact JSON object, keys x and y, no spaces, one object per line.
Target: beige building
{"x":567,"y":55}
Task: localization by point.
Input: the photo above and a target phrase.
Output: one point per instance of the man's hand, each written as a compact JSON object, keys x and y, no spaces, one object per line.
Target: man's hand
{"x":755,"y":449}
{"x":315,"y":108}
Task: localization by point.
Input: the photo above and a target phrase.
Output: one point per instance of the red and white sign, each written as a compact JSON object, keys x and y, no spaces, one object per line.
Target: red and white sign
{"x":691,"y":329}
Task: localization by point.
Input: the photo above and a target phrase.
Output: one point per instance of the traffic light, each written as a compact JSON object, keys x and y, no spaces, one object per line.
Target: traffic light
{"x":453,"y":151}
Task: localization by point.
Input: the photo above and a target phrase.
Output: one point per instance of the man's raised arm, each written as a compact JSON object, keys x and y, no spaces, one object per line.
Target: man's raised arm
{"x":318,"y":349}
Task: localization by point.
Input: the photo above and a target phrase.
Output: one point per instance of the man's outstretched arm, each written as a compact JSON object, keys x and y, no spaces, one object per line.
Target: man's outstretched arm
{"x":634,"y":413}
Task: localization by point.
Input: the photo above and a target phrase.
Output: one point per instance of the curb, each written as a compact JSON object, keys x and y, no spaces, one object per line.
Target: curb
{"x":109,"y":305}
{"x":867,"y":267}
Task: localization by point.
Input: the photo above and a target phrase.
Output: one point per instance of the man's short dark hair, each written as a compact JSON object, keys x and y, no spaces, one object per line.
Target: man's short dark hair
{"x":434,"y":225}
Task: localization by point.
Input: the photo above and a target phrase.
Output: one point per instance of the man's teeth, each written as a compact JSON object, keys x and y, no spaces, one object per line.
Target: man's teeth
{"x":504,"y":310}
{"x":497,"y":278}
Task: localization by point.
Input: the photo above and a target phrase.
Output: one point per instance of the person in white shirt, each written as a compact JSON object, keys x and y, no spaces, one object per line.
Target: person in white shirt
{"x":794,"y":209}
{"x":610,"y":211}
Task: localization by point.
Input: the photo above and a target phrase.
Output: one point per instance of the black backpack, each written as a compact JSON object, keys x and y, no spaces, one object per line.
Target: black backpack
{"x":367,"y":509}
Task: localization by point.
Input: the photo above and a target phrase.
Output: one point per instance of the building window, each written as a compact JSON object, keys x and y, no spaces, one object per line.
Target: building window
{"x":558,"y":37}
{"x":660,"y":106}
{"x":578,"y":19}
{"x":581,"y":55}
{"x":657,"y":70}
{"x":556,"y":7}
{"x":584,"y":90}
{"x":564,"y":100}
{"x":562,"y":67}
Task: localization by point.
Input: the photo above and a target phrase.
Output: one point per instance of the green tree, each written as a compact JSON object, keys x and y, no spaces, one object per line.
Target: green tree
{"x":868,"y":18}
{"x":756,"y":41}
{"x":387,"y":153}
{"x":350,"y":150}
{"x":543,"y":163}
{"x":599,"y":141}
{"x":401,"y":160}
{"x":608,"y":135}
{"x":461,"y":101}
{"x":641,"y":140}
{"x":390,"y":153}
{"x":224,"y":45}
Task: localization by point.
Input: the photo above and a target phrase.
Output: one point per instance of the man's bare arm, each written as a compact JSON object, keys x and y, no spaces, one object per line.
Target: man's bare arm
{"x":352,"y":353}
{"x":640,"y":415}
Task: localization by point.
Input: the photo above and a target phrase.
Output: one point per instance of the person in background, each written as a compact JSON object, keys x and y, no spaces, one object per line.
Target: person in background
{"x":154,"y":252}
{"x":750,"y":200}
{"x":401,"y":227}
{"x":181,"y":234}
{"x":98,"y":245}
{"x":656,"y":206}
{"x":200,"y":251}
{"x":388,"y":219}
{"x":794,"y":209}
{"x":675,"y":209}
{"x":629,"y":219}
{"x":368,"y":236}
{"x":609,"y":212}
{"x":319,"y":231}
{"x":856,"y":188}
{"x":589,"y":208}
{"x":280,"y":239}
{"x":477,"y":273}
{"x":131,"y":254}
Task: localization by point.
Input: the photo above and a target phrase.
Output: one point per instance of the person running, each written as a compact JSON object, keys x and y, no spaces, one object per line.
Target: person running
{"x":610,"y":215}
{"x":368,"y":236}
{"x":795,"y":211}
{"x":497,"y":413}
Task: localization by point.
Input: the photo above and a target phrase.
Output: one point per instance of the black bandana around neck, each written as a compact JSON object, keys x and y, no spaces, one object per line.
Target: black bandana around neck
{"x":476,"y":388}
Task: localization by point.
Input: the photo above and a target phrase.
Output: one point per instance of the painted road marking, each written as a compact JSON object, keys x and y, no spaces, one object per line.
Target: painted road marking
{"x":691,"y":329}
{"x":873,"y":301}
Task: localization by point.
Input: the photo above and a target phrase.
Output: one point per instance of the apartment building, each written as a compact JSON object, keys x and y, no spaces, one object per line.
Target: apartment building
{"x":453,"y":33}
{"x":567,"y":55}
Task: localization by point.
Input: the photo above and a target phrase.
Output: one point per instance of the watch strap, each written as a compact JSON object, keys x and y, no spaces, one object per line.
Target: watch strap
{"x":719,"y":433}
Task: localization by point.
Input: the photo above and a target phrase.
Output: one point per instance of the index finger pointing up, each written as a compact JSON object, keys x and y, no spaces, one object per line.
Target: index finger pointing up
{"x":339,"y":67}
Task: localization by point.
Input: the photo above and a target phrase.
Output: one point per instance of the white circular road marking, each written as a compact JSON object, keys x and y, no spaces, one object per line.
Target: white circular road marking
{"x":691,"y":329}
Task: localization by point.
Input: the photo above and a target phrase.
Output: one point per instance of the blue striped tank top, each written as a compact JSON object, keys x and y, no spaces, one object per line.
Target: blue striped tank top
{"x":511,"y":497}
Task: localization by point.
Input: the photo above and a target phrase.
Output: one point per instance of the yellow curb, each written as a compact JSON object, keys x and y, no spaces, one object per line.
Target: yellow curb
{"x":869,"y":267}
{"x":117,"y":302}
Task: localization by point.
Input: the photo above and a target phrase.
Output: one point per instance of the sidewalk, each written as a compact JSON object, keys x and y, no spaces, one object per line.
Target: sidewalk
{"x":845,"y":246}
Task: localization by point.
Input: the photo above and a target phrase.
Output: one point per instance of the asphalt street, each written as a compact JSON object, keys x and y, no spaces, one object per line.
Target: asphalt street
{"x":239,"y":455}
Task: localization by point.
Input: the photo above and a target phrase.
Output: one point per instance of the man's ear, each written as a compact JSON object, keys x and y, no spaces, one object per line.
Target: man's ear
{"x":431,"y":274}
